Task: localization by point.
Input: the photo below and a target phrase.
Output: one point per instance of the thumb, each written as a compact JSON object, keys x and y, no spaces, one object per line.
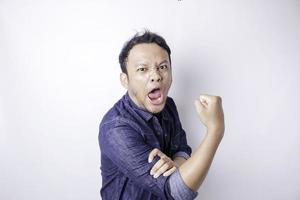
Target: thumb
{"x":199,"y":106}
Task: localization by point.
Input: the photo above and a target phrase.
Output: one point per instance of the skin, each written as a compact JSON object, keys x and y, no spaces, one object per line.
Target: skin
{"x":210,"y":111}
{"x":148,"y":67}
{"x":194,"y":170}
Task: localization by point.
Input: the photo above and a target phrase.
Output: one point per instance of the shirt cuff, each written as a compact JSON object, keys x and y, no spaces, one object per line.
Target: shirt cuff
{"x":178,"y":188}
{"x":181,"y":154}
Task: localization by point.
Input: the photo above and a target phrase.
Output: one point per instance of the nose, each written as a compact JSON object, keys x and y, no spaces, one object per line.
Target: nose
{"x":156,"y":77}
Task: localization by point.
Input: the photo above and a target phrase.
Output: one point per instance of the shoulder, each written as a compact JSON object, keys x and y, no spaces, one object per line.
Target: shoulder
{"x":118,"y":117}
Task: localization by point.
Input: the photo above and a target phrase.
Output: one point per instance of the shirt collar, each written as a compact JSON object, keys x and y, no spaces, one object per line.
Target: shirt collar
{"x":144,"y":114}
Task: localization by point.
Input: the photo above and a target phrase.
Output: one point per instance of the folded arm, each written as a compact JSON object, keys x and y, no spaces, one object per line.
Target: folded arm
{"x":127,"y":149}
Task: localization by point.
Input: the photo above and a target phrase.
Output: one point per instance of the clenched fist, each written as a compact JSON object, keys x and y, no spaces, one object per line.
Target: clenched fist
{"x":210,"y":111}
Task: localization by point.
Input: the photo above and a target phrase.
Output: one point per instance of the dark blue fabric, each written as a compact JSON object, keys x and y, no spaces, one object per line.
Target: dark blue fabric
{"x":127,"y":135}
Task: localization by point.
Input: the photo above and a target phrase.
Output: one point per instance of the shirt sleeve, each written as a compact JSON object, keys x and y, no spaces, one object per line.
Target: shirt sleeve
{"x":127,"y":149}
{"x":180,"y":191}
{"x":181,"y":154}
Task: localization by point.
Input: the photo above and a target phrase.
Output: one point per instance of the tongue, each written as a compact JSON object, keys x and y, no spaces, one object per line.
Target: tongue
{"x":155,"y":94}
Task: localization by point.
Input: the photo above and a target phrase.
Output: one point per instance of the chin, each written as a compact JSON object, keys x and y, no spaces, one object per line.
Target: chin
{"x":155,"y":108}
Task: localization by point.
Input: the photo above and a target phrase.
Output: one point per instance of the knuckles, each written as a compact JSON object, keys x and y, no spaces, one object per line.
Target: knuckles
{"x":216,"y":99}
{"x":211,"y":98}
{"x":155,"y":150}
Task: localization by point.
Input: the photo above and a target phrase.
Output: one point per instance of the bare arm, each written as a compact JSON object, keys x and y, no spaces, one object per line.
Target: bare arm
{"x":194,"y":170}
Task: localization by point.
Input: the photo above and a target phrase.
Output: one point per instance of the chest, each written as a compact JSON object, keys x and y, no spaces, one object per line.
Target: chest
{"x":162,"y":134}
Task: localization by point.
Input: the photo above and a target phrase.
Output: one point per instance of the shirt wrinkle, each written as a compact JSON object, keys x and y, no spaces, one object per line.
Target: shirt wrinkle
{"x":126,"y":136}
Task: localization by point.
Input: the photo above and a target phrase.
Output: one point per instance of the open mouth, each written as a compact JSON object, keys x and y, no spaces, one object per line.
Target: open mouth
{"x":156,"y":96}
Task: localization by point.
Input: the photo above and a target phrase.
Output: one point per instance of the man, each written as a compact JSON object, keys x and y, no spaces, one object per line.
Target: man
{"x":144,"y":152}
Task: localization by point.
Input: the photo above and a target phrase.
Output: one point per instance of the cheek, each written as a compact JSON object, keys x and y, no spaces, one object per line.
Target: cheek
{"x":138,"y":87}
{"x":168,"y":78}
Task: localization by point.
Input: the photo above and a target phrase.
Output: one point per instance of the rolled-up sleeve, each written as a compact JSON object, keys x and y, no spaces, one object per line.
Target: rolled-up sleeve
{"x":179,"y":190}
{"x":127,"y":150}
{"x":181,"y":154}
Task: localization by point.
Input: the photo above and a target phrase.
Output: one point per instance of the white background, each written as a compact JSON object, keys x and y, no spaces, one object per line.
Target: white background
{"x":60,"y":74}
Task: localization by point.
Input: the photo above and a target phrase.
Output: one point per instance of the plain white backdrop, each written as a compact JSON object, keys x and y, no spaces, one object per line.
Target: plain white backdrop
{"x":59,"y":74}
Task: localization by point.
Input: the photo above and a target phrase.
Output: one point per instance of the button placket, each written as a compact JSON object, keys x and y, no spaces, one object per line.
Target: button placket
{"x":157,"y":126}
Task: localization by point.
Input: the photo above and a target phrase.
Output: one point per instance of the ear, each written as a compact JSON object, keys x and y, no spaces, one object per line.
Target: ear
{"x":124,"y":80}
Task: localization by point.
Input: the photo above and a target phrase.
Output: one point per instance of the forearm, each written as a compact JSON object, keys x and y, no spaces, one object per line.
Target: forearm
{"x":194,"y":170}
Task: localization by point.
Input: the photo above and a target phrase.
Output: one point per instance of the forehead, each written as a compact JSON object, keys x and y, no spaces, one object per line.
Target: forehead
{"x":147,"y":52}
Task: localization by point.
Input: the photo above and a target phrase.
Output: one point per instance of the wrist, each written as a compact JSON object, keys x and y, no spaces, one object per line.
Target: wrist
{"x":216,"y":133}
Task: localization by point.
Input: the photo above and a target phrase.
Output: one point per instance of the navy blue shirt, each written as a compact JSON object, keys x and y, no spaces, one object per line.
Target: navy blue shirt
{"x":127,"y":136}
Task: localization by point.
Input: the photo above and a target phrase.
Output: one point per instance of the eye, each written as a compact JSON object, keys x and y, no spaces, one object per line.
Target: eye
{"x":141,"y":69}
{"x":163,"y":67}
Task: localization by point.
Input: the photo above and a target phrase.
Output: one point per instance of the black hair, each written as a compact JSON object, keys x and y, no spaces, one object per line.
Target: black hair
{"x":139,"y":38}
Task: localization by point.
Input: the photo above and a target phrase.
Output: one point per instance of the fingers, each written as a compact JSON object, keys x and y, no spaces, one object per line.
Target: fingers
{"x":199,"y":105}
{"x":164,"y":166}
{"x":161,"y":170}
{"x":202,"y":102}
{"x":204,"y":98}
{"x":157,"y":166}
{"x":170,"y":171}
{"x":153,"y":153}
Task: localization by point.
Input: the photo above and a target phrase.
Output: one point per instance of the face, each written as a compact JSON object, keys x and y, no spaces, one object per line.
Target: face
{"x":148,"y":77}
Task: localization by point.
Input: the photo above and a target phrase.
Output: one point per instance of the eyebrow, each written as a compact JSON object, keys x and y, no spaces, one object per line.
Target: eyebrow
{"x":144,"y":64}
{"x":141,"y":64}
{"x":164,"y":61}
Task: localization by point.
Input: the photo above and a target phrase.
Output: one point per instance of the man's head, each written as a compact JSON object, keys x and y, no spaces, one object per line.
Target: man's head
{"x":146,"y":70}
